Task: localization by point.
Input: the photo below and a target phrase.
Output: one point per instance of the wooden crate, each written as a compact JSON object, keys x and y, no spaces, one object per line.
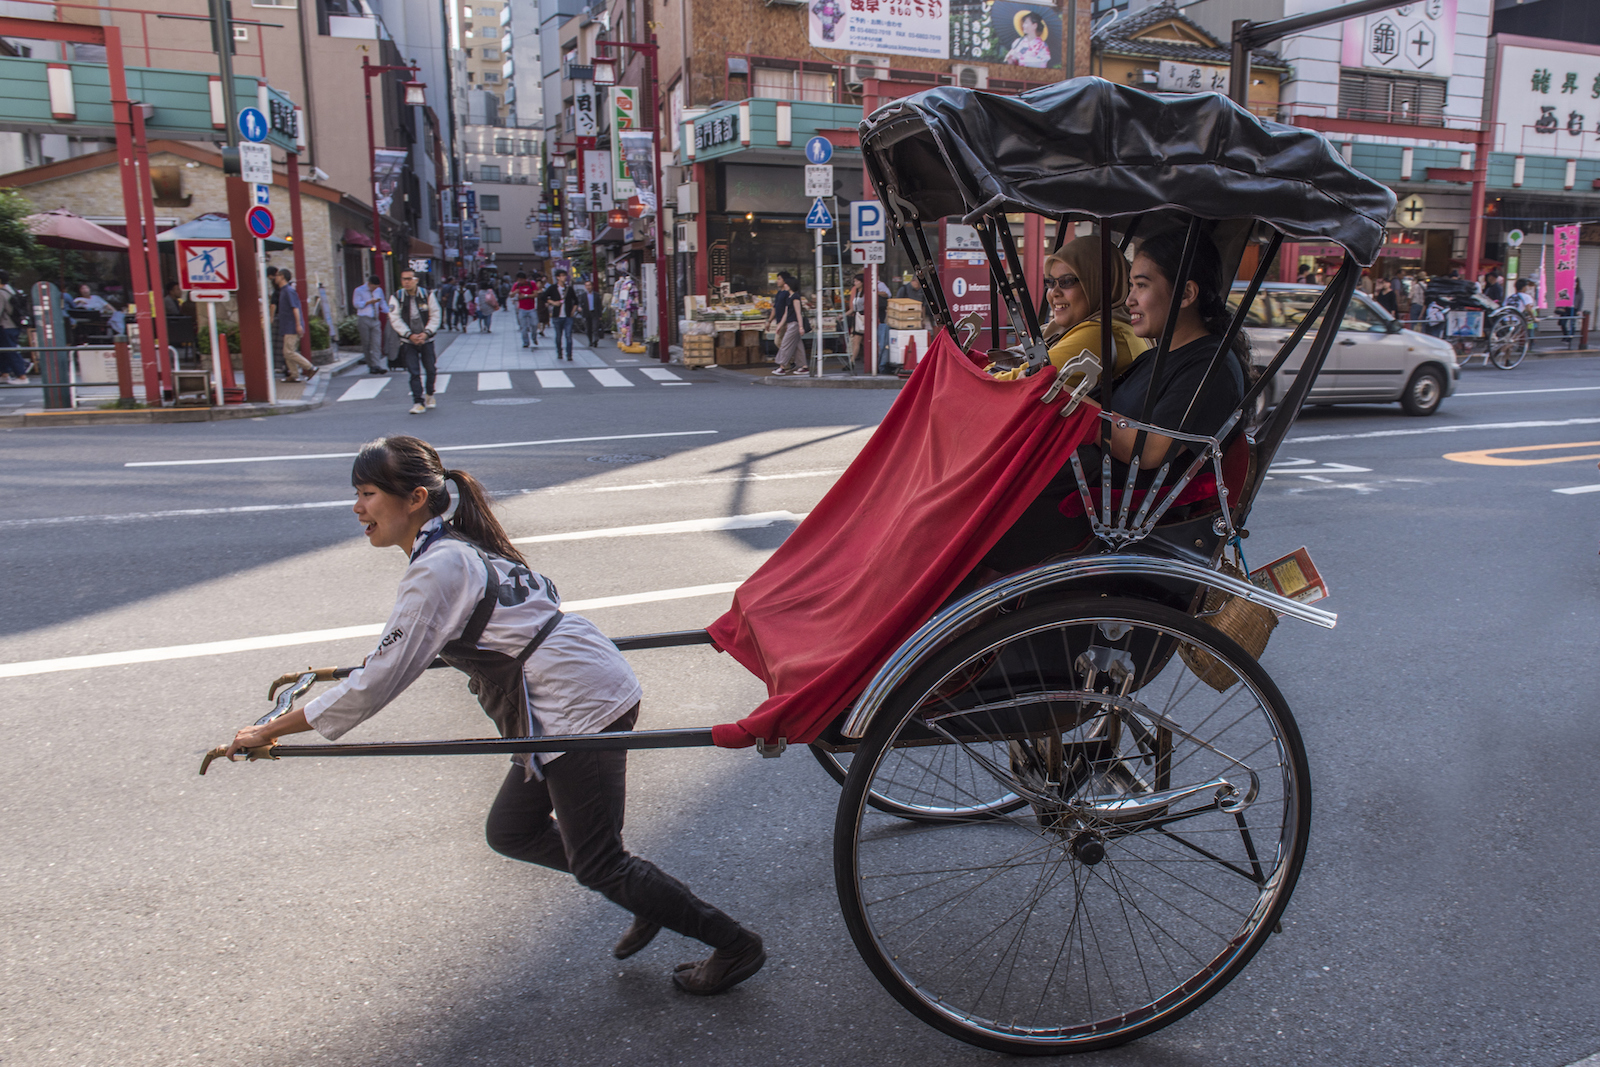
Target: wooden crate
{"x":690,"y":360}
{"x":732,"y":356}
{"x":750,"y":338}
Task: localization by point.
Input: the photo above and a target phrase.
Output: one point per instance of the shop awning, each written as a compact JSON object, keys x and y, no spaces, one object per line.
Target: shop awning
{"x":612,"y":235}
{"x":361,"y":240}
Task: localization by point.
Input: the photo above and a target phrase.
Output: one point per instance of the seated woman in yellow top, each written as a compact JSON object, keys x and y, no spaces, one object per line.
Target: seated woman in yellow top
{"x":1072,"y":282}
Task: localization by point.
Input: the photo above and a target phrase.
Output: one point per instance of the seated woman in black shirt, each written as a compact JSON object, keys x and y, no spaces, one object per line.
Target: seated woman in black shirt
{"x":1043,"y":531}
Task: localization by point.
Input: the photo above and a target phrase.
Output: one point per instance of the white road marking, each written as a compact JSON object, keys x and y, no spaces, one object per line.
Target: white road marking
{"x":677,"y":383}
{"x":313,"y":637}
{"x":437,"y":448}
{"x":440,"y":384}
{"x":181,"y":513}
{"x":1536,"y":424}
{"x":555,"y":379}
{"x":660,"y":374}
{"x":611,"y":379}
{"x":1307,"y":467}
{"x":493,"y":379}
{"x":755,"y":521}
{"x":365,"y":389}
{"x":1522,"y":392}
{"x":1569,"y":491}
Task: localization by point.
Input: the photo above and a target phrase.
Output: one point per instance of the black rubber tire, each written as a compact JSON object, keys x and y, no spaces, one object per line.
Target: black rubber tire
{"x":1509,"y":340}
{"x":1424,"y":392}
{"x":899,"y":964}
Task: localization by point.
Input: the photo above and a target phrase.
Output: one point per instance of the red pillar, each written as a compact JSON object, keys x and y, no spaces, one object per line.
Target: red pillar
{"x":293,"y":168}
{"x":252,"y":342}
{"x":152,"y":253}
{"x":121,"y":113}
{"x":1033,"y":255}
{"x":1480,"y":181}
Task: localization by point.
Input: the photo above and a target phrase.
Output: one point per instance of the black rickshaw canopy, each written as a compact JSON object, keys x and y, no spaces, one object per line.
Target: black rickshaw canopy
{"x":1090,"y":146}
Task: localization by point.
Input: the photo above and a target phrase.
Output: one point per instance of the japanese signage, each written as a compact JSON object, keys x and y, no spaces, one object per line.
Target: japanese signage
{"x":1191,"y":78}
{"x":964,"y":271}
{"x":282,"y":119}
{"x":1417,"y":38}
{"x":255,"y":163}
{"x":898,"y":27}
{"x":209,"y":264}
{"x":584,"y":122}
{"x":624,"y":117}
{"x":1548,"y":103}
{"x":638,"y":162}
{"x":1566,"y":272}
{"x":716,"y":131}
{"x":1006,"y":31}
{"x":597,"y":181}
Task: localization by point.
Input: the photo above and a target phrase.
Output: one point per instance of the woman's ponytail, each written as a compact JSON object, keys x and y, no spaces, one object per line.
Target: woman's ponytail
{"x":474,"y":519}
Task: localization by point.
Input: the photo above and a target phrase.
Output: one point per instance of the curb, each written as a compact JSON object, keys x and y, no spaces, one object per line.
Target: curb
{"x":313,"y":398}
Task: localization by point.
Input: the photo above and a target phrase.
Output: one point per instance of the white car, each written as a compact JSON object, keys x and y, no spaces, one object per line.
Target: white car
{"x":1374,"y":360}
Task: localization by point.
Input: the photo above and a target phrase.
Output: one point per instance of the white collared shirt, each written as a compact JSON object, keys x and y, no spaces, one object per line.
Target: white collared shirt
{"x":577,"y":681}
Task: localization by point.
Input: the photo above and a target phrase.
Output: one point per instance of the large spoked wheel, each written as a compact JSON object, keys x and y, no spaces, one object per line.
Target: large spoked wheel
{"x":1509,"y":340}
{"x":1164,"y":826}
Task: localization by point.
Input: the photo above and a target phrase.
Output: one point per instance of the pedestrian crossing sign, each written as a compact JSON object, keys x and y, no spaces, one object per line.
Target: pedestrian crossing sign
{"x":207,"y":264}
{"x":820,"y":218}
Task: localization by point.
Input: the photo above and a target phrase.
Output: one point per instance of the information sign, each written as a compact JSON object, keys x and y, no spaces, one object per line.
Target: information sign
{"x":261,"y":222}
{"x":215,"y":296}
{"x":255,"y":164}
{"x":207,"y":264}
{"x":819,"y":179}
{"x":264,"y":195}
{"x":870,"y":252}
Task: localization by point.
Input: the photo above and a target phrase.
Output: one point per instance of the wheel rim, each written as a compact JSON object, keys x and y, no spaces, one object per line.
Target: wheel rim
{"x":905,"y":790}
{"x":1425,"y":391}
{"x":1074,"y":923}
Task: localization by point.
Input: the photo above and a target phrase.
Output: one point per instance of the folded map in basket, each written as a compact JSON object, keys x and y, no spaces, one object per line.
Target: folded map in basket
{"x":1294,"y":576}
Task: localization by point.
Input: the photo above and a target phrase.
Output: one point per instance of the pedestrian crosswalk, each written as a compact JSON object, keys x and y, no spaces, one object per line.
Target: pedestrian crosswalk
{"x":528,"y":381}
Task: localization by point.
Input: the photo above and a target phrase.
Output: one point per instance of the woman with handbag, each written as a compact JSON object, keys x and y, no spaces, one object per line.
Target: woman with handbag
{"x":788,"y":320}
{"x":469,"y":597}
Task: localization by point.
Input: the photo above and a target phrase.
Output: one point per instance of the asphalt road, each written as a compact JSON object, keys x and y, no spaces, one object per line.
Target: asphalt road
{"x":348,"y":912}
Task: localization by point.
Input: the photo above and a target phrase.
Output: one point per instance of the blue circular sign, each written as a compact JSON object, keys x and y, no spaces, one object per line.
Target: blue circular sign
{"x":253,"y":124}
{"x":819,"y":150}
{"x":261,"y":222}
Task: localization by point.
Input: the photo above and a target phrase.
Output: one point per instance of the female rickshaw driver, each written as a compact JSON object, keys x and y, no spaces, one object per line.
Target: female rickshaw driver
{"x":1043,"y":531}
{"x":468,"y":596}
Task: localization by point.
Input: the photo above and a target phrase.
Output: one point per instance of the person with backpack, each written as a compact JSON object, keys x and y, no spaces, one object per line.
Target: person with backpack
{"x":414,"y":314}
{"x":469,"y":597}
{"x":14,"y":316}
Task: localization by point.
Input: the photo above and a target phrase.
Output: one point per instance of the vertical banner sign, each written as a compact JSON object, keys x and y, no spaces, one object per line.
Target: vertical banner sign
{"x":584,"y":120}
{"x":964,"y":271}
{"x":597,"y":194}
{"x":624,"y":119}
{"x":638,"y":148}
{"x":1566,"y":272}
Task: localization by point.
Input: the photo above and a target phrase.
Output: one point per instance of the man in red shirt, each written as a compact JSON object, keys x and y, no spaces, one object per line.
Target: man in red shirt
{"x":526,"y":294}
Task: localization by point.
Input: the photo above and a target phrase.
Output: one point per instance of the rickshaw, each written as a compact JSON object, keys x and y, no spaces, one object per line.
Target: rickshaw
{"x":1073,"y":805}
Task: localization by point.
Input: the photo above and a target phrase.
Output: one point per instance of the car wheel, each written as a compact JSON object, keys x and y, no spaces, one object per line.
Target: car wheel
{"x":1423,"y":392}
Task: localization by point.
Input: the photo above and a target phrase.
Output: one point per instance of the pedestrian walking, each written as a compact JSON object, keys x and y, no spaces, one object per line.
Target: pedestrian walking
{"x":414,"y":314}
{"x":291,"y":322}
{"x":526,"y":295}
{"x":1570,"y":311}
{"x":591,"y":310}
{"x":470,"y":597}
{"x":369,"y":299}
{"x":882,"y":311}
{"x":13,"y":316}
{"x":463,"y":305}
{"x":788,"y":319}
{"x":488,"y":304}
{"x":447,"y":298}
{"x":275,"y":338}
{"x":562,"y":299}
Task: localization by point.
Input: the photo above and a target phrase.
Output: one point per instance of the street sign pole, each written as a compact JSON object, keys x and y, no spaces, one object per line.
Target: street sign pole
{"x":816,"y":356}
{"x":266,"y":322}
{"x":869,"y":334}
{"x":216,"y":351}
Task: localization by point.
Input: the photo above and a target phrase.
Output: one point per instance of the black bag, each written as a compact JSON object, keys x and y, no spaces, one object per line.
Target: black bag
{"x":21,"y":310}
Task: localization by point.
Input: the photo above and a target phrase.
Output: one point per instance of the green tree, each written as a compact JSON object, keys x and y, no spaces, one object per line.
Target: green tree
{"x":19,"y":252}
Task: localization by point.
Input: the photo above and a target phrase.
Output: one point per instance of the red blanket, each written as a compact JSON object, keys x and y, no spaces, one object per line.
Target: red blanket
{"x":953,"y":465}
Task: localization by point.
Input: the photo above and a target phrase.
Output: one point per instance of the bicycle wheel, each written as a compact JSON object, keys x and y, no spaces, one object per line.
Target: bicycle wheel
{"x":1165,"y":827}
{"x":897,"y":793}
{"x":1509,"y":340}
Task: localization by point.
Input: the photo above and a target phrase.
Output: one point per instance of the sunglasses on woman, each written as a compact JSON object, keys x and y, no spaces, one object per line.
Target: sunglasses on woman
{"x":1061,"y":281}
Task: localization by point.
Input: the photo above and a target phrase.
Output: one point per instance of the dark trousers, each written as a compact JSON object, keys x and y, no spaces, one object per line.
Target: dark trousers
{"x":12,"y":361}
{"x":563,"y":329}
{"x":419,"y":358}
{"x":586,"y":792}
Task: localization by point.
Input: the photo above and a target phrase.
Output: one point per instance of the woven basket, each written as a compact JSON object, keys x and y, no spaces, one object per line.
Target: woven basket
{"x":1248,"y":625}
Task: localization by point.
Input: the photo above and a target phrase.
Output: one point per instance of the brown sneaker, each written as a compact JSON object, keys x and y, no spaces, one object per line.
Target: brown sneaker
{"x":722,"y":970}
{"x":640,"y":934}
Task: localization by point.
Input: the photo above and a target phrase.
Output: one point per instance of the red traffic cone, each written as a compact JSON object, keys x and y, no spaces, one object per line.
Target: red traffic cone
{"x":908,"y":357}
